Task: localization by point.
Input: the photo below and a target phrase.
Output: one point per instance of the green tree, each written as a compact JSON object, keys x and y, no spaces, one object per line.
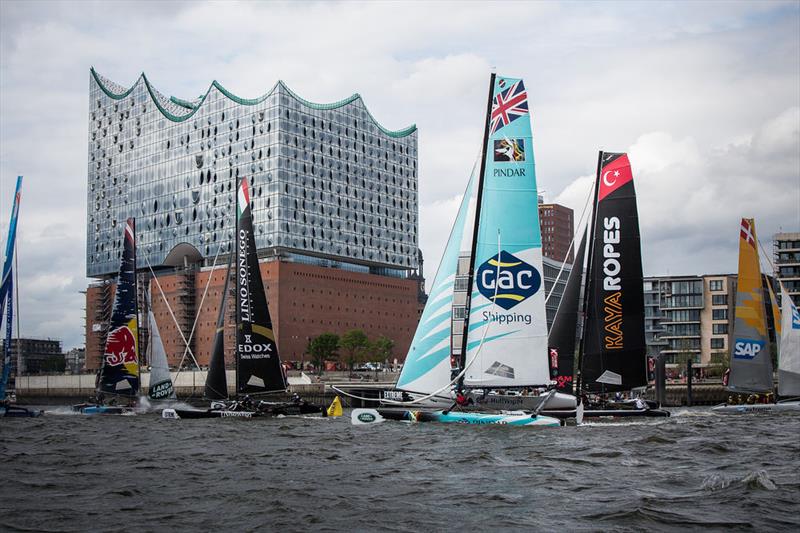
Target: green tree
{"x":382,"y":348}
{"x":356,"y":346}
{"x":322,"y":348}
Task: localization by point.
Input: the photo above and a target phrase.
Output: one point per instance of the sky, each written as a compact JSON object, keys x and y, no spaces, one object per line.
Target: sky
{"x":705,"y":97}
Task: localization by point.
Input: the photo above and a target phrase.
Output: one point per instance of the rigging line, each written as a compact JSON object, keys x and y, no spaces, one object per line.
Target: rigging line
{"x":766,"y":257}
{"x":463,"y":349}
{"x":569,"y":249}
{"x":16,"y":292}
{"x":197,"y":316}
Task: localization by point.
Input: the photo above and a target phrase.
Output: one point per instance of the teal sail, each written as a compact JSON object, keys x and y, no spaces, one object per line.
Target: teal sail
{"x":6,"y":292}
{"x":427,"y":365}
{"x":507,"y":325}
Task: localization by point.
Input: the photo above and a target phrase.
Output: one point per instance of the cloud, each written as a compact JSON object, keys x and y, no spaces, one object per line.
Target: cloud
{"x":704,"y":96}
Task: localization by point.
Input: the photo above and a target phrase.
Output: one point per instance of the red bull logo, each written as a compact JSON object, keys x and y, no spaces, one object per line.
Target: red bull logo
{"x":120,"y":347}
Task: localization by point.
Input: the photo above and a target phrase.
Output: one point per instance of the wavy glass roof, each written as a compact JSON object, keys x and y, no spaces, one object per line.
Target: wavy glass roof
{"x":178,"y":109}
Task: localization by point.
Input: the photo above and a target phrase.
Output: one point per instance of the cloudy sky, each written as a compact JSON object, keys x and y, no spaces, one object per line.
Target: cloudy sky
{"x":704,"y":96}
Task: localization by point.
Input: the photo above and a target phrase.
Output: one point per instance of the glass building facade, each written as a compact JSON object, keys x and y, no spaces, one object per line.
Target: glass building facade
{"x":328,"y":183}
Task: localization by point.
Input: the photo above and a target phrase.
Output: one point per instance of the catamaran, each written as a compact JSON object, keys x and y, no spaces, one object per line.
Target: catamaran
{"x":258,"y":366}
{"x":751,"y":370}
{"x":7,"y":406}
{"x":613,"y":353}
{"x":493,"y":335}
{"x":118,"y":379}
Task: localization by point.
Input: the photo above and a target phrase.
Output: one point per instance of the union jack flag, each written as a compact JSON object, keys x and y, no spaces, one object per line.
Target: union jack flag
{"x":508,"y":106}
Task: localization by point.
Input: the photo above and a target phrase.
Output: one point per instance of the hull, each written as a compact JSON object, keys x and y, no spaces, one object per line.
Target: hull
{"x":500,"y":402}
{"x":14,"y":411}
{"x":435,"y":402}
{"x":625,"y":413}
{"x":264,"y":410}
{"x":460,"y":417}
{"x":758,"y":408}
{"x":90,"y":409}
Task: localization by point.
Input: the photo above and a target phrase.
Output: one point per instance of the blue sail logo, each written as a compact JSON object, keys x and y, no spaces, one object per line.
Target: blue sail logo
{"x":512,"y":278}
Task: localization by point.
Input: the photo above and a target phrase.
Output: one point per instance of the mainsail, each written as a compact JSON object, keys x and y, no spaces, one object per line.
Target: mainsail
{"x":614,"y":351}
{"x":216,"y":380}
{"x":561,"y":340}
{"x":161,"y":387}
{"x":427,"y":365}
{"x":6,"y":289}
{"x":789,"y":355}
{"x":507,"y":327}
{"x":751,"y":362}
{"x":119,"y":373}
{"x":258,"y":367}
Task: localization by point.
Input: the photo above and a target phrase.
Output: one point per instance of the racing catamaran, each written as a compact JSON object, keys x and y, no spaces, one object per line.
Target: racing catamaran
{"x":118,"y":379}
{"x":751,"y":372}
{"x":493,"y":336}
{"x":613,"y":353}
{"x":258,"y":366}
{"x":7,"y":407}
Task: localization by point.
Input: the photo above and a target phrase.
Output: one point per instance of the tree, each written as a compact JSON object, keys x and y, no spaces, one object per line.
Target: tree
{"x":355,"y":344}
{"x":322,"y":348}
{"x":382,"y":348}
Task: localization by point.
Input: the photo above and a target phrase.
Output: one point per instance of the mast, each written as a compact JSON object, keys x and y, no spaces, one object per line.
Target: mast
{"x":473,"y":246}
{"x":588,"y":281}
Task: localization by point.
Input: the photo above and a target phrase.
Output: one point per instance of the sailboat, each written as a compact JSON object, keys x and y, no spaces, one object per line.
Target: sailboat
{"x":161,"y":386}
{"x":7,"y":408}
{"x":495,"y":336}
{"x":613,"y":352}
{"x":751,"y":370}
{"x":118,"y":379}
{"x":258,"y":365}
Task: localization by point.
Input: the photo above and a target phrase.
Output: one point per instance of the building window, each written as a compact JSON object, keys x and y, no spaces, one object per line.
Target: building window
{"x":719,"y":314}
{"x":718,"y":343}
{"x":719,"y":299}
{"x":719,"y":329}
{"x":715,"y":285}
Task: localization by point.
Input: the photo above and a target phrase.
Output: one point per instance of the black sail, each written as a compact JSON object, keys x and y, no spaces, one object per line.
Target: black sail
{"x":258,"y":367}
{"x":216,"y":381}
{"x":614,"y":351}
{"x":561,"y":340}
{"x":119,"y":373}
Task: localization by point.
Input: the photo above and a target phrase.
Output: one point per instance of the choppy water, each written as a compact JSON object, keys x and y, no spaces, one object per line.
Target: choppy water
{"x":694,"y":470}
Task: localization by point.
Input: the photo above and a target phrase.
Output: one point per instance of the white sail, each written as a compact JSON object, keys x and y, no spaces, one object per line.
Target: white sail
{"x":789,"y":355}
{"x":161,"y":387}
{"x":427,"y":366}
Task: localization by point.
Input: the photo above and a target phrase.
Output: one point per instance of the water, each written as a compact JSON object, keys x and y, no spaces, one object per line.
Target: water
{"x":696,"y":469}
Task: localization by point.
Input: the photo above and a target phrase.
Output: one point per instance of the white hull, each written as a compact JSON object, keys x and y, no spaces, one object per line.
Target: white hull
{"x":758,"y":408}
{"x":558,"y":402}
{"x":435,"y":402}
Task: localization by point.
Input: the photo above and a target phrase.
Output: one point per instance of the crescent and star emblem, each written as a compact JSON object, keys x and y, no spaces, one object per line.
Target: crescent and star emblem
{"x":608,"y":183}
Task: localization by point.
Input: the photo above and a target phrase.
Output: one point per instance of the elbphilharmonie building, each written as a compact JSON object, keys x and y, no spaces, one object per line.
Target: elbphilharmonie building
{"x":335,"y":206}
{"x":328,"y":181}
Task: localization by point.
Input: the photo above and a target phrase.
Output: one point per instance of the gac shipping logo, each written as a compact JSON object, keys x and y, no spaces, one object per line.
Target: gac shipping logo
{"x":515,"y":282}
{"x":747,"y":348}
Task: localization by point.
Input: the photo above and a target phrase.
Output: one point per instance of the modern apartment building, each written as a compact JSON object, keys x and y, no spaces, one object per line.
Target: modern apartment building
{"x":786,"y":248}
{"x":689,"y":316}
